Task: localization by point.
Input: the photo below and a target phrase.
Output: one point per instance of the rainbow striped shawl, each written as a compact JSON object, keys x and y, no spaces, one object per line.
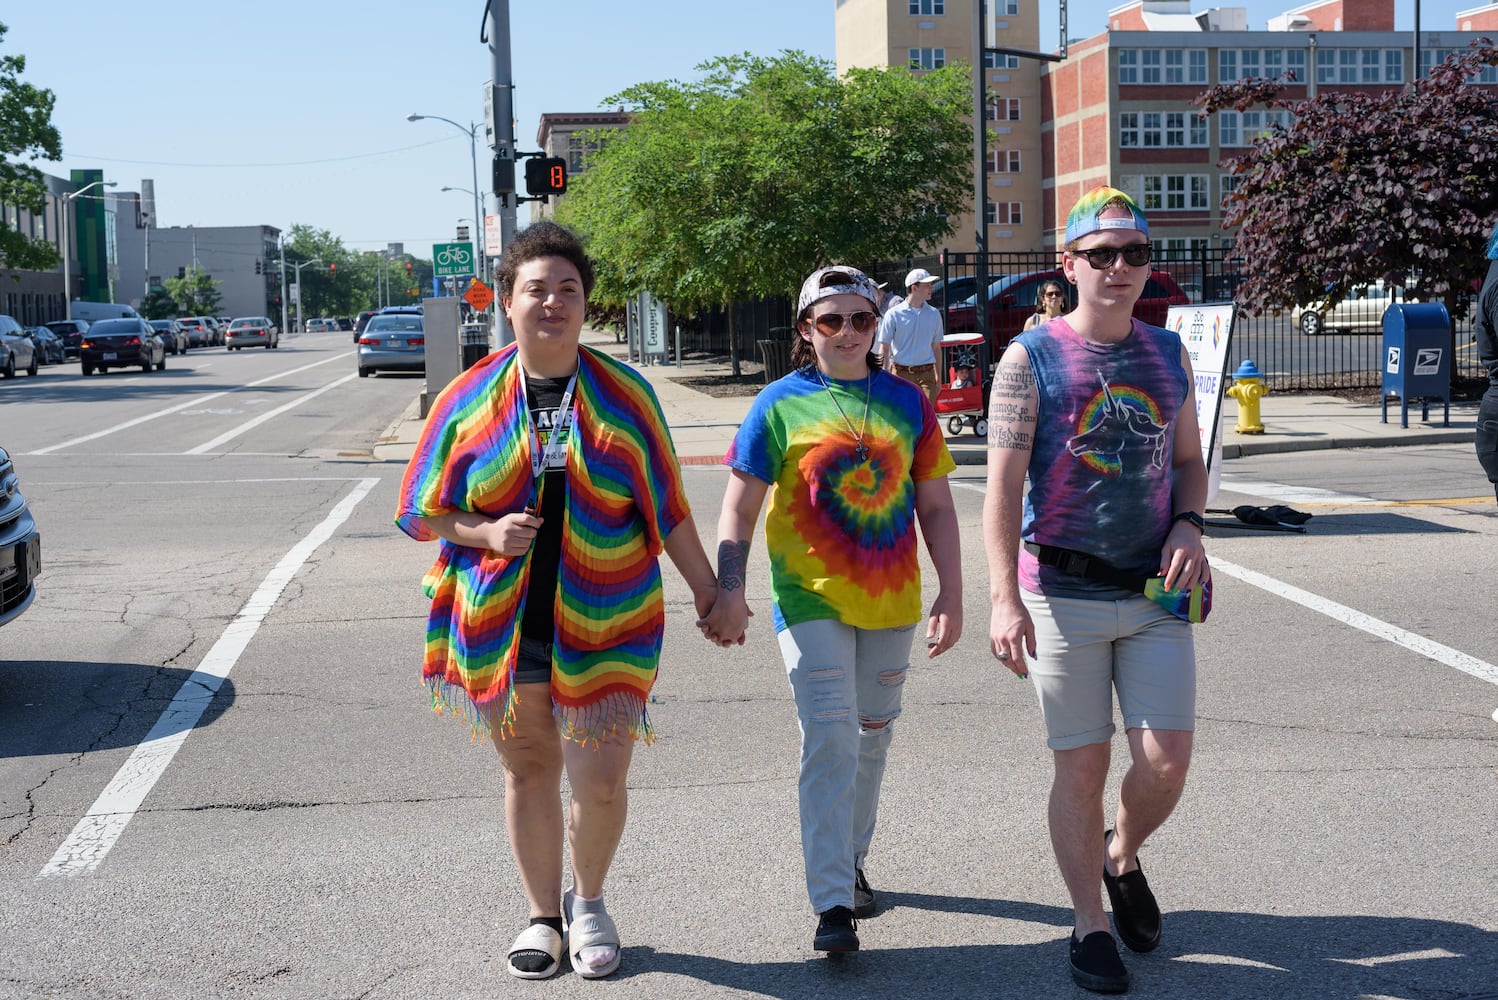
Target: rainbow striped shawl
{"x":624,"y":497}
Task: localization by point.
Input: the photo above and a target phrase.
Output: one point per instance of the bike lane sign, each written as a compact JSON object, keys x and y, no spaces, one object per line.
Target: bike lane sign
{"x":451,"y":259}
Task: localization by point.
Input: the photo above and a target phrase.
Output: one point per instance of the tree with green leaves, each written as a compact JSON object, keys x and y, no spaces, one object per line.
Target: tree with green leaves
{"x":26,"y":131}
{"x":739,"y":184}
{"x":160,"y":305}
{"x":335,"y":286}
{"x":1395,"y":186}
{"x":195,"y":293}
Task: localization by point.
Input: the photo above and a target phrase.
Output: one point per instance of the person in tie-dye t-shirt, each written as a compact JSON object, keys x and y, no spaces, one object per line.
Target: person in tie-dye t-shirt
{"x":852,"y":458}
{"x":1097,"y":409}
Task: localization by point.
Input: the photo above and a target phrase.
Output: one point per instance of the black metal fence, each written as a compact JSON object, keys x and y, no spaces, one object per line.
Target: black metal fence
{"x":1289,"y":358}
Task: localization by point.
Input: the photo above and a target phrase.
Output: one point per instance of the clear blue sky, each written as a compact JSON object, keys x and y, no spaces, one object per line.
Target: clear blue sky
{"x":279,"y":112}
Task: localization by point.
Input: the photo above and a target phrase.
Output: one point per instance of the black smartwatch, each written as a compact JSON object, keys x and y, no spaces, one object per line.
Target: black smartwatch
{"x":1192,"y":518}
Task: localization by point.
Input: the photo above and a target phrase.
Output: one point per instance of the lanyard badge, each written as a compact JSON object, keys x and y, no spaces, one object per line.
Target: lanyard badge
{"x":541,"y":461}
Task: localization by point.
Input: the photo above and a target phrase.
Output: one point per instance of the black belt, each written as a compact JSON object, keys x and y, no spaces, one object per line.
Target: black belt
{"x":1074,"y":563}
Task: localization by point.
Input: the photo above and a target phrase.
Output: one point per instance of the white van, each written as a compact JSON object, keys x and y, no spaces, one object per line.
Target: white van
{"x":92,"y":312}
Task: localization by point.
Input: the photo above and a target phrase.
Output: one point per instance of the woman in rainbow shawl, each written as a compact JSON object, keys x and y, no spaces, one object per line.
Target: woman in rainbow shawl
{"x":851,"y":457}
{"x":548,"y":474}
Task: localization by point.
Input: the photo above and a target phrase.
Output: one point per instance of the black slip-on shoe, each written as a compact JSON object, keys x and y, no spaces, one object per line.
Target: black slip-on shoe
{"x":836,"y":931}
{"x":864,"y":903}
{"x":1095,"y":964}
{"x":1135,"y":912}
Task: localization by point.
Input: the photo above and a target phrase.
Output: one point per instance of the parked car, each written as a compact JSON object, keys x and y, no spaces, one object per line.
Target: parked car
{"x":20,"y":545}
{"x":48,"y":345}
{"x":215,"y":327}
{"x":252,"y":331}
{"x":70,"y":331}
{"x":121,"y":343}
{"x":17,"y":352}
{"x":173,"y":337}
{"x":345,"y":323}
{"x":954,"y":289}
{"x":1011,"y":301}
{"x":393,"y":341}
{"x":322,"y":325}
{"x":363,"y":319}
{"x":199,"y":334}
{"x":1360,"y":312}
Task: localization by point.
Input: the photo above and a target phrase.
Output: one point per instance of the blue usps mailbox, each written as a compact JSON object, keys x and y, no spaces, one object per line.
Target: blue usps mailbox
{"x":1417,"y":358}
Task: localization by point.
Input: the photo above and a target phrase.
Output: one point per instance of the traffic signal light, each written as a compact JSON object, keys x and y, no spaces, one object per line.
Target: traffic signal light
{"x":545,"y":175}
{"x":257,"y":265}
{"x":333,"y":270}
{"x":408,"y":267}
{"x":503,"y":179}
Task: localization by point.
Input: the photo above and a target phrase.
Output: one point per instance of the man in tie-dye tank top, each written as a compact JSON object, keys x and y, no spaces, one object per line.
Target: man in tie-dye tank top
{"x":1097,"y":409}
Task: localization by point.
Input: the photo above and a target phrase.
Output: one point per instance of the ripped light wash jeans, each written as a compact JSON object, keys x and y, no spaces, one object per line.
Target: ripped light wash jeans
{"x":843,"y":678}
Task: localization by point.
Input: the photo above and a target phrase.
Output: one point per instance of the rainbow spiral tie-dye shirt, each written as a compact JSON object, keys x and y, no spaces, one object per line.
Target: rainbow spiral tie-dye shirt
{"x":841,"y":532}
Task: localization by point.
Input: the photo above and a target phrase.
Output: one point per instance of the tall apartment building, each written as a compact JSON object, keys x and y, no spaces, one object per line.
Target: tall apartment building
{"x":926,"y":34}
{"x":1119,"y":109}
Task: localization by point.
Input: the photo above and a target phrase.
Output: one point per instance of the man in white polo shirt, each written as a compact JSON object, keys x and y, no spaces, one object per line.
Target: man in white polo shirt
{"x":909,"y":340}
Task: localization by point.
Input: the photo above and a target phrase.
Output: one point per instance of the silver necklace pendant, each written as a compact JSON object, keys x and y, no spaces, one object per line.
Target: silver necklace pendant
{"x":860,"y":450}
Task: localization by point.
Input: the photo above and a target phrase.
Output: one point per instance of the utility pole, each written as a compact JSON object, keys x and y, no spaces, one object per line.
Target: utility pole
{"x":281,"y":246}
{"x":981,"y":51}
{"x":980,"y":168}
{"x":501,"y":134}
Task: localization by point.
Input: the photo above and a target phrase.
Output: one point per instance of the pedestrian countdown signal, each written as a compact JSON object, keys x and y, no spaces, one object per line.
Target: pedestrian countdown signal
{"x":545,"y":175}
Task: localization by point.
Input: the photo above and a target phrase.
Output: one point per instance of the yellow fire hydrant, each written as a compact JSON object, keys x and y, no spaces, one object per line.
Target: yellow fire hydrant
{"x":1248,"y":388}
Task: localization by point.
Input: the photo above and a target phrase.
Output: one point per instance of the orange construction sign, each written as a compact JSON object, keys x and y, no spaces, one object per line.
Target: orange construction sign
{"x":479,"y":295}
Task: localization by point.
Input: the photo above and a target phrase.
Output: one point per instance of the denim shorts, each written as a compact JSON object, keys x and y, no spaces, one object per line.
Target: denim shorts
{"x":1086,"y":649}
{"x":533,"y":665}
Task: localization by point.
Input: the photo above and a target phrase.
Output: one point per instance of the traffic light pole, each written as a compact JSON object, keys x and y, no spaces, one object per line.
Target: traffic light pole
{"x":501,"y":134}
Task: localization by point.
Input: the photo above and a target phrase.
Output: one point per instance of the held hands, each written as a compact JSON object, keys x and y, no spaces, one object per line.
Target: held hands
{"x":725,"y":620}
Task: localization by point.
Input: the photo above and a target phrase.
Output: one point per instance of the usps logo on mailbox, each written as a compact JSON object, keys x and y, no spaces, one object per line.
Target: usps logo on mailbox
{"x":1392,"y":365}
{"x":1427,"y":361}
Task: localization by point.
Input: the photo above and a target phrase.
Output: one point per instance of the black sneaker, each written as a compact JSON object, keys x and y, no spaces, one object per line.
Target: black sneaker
{"x":836,"y":931}
{"x":1135,"y":912}
{"x":1095,"y":964}
{"x":864,"y":903}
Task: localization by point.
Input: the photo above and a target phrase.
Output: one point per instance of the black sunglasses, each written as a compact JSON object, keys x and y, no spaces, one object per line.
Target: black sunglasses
{"x":1134,"y":255}
{"x":832,"y":324}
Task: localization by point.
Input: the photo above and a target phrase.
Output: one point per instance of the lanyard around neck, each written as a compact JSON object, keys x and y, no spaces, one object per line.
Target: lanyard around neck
{"x":541,"y":462}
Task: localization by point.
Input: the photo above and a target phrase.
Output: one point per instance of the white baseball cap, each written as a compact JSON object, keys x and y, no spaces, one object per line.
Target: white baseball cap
{"x":919,"y":276}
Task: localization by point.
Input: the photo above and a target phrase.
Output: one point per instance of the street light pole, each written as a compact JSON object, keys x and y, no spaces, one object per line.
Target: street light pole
{"x":67,"y":242}
{"x":478,"y":206}
{"x":281,"y":245}
{"x":301,"y":313}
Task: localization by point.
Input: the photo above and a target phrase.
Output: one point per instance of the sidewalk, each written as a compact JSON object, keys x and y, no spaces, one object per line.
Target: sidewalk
{"x":702,"y":426}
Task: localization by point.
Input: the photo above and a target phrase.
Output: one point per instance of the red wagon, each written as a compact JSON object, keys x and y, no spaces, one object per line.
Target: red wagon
{"x":961,"y":399}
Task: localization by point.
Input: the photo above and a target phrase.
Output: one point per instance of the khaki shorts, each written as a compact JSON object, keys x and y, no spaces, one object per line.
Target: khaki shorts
{"x":1085,"y":650}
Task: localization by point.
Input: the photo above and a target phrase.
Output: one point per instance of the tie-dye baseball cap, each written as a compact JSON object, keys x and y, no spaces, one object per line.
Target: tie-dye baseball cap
{"x":1086,"y":215}
{"x":837,"y":279}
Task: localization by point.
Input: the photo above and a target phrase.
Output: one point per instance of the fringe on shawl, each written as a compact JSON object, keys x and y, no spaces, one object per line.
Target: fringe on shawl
{"x":588,"y":725}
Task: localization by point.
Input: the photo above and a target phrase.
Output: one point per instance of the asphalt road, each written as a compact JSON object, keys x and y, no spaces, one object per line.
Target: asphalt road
{"x":316,"y":832}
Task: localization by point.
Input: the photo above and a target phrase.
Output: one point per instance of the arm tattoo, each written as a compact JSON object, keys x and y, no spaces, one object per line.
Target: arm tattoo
{"x":732,"y":560}
{"x":1011,"y":413}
